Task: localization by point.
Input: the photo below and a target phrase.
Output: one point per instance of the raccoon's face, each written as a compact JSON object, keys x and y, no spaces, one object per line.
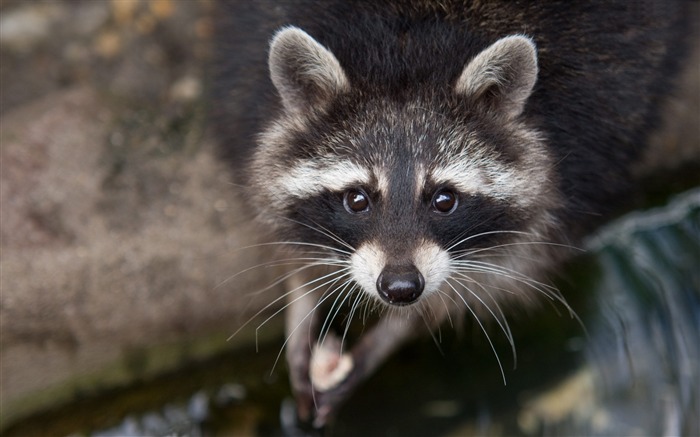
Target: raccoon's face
{"x":413,"y":194}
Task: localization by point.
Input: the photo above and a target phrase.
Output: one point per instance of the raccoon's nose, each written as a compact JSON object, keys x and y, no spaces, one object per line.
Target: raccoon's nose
{"x":400,"y":285}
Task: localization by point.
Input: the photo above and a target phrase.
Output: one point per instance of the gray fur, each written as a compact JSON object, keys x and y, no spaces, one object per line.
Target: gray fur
{"x":504,"y":73}
{"x":304,"y":72}
{"x":529,"y":113}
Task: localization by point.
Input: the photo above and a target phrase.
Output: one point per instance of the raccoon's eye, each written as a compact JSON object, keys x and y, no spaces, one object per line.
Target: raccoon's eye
{"x":444,"y":201}
{"x":355,"y":201}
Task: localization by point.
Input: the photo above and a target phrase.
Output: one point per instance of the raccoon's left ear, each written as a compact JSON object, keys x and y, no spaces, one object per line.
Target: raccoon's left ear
{"x":305,"y":73}
{"x":502,"y":76}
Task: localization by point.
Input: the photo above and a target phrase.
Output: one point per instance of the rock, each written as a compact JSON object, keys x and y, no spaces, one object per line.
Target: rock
{"x":103,"y":271}
{"x":24,"y":28}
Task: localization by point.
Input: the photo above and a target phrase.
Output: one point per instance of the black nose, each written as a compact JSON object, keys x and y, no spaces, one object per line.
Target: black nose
{"x":401,"y":284}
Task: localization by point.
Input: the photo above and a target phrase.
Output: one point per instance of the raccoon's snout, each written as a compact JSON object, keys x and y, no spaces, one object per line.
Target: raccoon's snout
{"x":400,"y":285}
{"x":400,"y":280}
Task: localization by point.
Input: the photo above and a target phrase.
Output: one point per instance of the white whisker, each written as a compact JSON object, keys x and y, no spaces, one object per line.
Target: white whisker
{"x":485,"y":267}
{"x":353,"y":308}
{"x":483,"y":329}
{"x":318,"y":304}
{"x":323,"y":231}
{"x":469,"y":252}
{"x":279,"y":298}
{"x":437,"y":340}
{"x":482,"y":234}
{"x":502,"y":324}
{"x":547,"y":290}
{"x":325,"y":329}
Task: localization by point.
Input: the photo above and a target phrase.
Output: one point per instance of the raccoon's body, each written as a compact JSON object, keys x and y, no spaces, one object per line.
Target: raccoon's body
{"x":440,"y":155}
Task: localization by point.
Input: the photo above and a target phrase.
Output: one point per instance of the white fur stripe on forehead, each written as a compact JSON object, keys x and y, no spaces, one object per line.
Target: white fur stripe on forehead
{"x":484,"y":177}
{"x":312,"y":178}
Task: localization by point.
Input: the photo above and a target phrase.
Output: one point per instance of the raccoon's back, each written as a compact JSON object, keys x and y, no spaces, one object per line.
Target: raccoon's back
{"x":603,"y":67}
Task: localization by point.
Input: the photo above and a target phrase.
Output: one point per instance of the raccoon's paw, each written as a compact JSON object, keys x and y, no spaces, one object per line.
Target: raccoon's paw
{"x":329,"y":367}
{"x":328,"y":402}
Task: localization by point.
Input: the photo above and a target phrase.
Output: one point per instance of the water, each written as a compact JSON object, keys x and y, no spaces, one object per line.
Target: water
{"x":631,"y":367}
{"x":645,"y":341}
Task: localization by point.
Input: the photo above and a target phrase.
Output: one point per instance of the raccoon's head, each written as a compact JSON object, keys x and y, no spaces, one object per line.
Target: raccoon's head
{"x":416,"y":193}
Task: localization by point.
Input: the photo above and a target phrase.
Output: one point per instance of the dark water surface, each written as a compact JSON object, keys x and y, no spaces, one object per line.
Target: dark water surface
{"x":631,"y":366}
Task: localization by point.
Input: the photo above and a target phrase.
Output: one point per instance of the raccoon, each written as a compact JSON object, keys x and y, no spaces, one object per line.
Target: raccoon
{"x":434,"y":159}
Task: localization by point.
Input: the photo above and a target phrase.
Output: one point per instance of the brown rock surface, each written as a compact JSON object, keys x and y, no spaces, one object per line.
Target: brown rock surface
{"x":119,"y":233}
{"x":97,"y":264}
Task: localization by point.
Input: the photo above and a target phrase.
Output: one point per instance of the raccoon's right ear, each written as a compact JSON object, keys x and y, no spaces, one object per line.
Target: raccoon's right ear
{"x":305,"y":73}
{"x":502,"y":76}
